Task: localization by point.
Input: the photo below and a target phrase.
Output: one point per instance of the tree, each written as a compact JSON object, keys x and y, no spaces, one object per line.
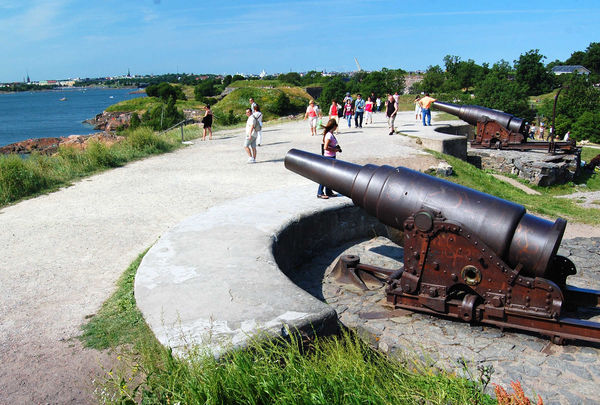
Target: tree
{"x":206,"y":88}
{"x":236,"y":77}
{"x":433,"y":79}
{"x":335,"y":89}
{"x":282,"y":105}
{"x":576,"y":58}
{"x":591,"y":59}
{"x":292,"y":78}
{"x":162,"y":116}
{"x":531,"y":72}
{"x":394,"y":80}
{"x":227,"y":80}
{"x":499,"y":92}
{"x":578,"y":98}
{"x":165,"y":91}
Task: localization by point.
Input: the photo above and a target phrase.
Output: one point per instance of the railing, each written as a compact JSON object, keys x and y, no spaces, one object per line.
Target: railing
{"x":179,"y":124}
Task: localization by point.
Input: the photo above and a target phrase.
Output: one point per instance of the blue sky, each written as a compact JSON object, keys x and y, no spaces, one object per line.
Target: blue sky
{"x":66,"y":38}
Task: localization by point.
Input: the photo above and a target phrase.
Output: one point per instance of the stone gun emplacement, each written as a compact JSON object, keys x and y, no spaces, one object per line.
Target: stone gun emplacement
{"x":497,"y":129}
{"x":467,"y":255}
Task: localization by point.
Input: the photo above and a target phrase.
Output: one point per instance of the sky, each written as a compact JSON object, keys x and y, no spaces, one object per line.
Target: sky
{"x":60,"y":39}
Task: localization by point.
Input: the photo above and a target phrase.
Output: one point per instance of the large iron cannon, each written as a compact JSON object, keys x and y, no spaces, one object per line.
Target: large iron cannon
{"x":497,"y":129}
{"x":467,"y":254}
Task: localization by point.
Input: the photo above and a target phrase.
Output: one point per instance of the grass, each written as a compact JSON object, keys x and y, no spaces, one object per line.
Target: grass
{"x":21,"y":178}
{"x":338,"y":370}
{"x":544,"y":204}
{"x":237,"y":100}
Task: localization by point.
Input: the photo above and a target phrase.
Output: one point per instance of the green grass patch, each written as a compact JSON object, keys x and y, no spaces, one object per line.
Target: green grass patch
{"x":139,"y":104}
{"x":588,"y":153}
{"x":337,"y":370}
{"x":444,"y":116}
{"x":544,"y":204}
{"x":237,"y":101}
{"x":26,"y":177}
{"x":118,"y":321}
{"x":257,"y":84}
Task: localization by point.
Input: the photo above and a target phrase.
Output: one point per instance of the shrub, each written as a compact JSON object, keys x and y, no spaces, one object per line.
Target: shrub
{"x":18,"y":178}
{"x":145,"y":140}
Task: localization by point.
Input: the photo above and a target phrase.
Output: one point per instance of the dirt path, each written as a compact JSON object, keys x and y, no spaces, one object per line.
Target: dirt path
{"x":62,"y":252}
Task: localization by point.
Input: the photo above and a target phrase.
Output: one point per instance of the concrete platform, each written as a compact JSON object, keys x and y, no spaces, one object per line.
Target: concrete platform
{"x":218,"y":278}
{"x":449,"y":137}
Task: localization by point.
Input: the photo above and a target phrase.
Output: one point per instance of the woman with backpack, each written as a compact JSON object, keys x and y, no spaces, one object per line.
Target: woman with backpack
{"x":259,"y":117}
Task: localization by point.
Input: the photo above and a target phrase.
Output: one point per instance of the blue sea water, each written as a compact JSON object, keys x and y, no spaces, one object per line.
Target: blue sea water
{"x":42,"y":114}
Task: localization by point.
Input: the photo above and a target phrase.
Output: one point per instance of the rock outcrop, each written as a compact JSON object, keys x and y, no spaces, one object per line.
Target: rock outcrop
{"x":49,"y":146}
{"x":537,"y":168}
{"x":110,"y":121}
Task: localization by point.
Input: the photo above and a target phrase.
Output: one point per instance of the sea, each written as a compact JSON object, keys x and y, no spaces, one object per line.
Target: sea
{"x":54,"y":113}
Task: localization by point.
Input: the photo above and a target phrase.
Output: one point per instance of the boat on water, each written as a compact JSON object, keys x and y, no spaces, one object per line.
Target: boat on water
{"x":63,"y":99}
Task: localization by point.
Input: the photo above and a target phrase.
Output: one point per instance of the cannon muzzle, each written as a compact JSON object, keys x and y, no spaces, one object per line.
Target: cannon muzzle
{"x":474,"y":113}
{"x":392,"y":194}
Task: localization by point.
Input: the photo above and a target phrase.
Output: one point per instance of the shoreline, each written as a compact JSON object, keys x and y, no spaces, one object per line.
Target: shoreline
{"x":71,"y":88}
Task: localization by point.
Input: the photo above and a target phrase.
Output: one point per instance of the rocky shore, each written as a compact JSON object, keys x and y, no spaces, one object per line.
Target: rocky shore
{"x":49,"y":146}
{"x":108,"y":122}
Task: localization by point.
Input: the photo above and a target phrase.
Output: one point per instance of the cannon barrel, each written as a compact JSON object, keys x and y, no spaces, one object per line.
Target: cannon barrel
{"x":474,"y":113}
{"x":392,"y":194}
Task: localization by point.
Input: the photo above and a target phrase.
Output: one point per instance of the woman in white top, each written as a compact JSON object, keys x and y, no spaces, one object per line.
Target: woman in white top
{"x":259,"y":117}
{"x":417,"y":109}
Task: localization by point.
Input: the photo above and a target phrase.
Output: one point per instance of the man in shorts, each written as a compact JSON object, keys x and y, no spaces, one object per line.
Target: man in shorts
{"x":251,"y":132}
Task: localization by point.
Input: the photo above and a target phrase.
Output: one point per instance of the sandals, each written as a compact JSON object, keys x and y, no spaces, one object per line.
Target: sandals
{"x":323,"y":196}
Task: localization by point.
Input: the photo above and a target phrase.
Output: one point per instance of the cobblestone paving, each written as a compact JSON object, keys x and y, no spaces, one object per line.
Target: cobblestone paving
{"x":560,"y":374}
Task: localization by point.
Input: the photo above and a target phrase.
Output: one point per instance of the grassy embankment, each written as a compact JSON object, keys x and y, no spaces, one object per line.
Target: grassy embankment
{"x":544,"y":204}
{"x":21,"y":178}
{"x":337,"y":370}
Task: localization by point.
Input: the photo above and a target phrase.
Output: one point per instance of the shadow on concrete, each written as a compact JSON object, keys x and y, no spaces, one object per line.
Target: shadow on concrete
{"x":393,"y":252}
{"x":269,"y":161}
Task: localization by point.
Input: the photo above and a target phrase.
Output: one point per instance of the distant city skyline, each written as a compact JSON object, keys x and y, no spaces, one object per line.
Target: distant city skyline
{"x":60,"y":39}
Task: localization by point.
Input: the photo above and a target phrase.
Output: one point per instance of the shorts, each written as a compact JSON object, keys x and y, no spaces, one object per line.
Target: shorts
{"x":250,"y":142}
{"x":312,"y":122}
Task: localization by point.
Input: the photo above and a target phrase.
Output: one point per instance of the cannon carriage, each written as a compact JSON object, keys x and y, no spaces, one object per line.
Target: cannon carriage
{"x":467,"y":255}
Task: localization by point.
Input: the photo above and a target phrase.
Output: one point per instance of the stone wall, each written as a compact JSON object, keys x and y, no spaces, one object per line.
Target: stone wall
{"x":538,"y":168}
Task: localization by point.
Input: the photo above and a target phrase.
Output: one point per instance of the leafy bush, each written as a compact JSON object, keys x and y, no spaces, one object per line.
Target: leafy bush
{"x":144,"y":139}
{"x":162,"y":116}
{"x":282,"y":105}
{"x":165,"y":92}
{"x":19,"y":178}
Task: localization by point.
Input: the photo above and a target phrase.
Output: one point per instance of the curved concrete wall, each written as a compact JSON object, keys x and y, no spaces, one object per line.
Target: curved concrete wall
{"x":218,"y":278}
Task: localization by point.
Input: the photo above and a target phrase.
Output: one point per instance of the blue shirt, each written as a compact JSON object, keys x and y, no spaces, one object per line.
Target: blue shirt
{"x":359,"y":105}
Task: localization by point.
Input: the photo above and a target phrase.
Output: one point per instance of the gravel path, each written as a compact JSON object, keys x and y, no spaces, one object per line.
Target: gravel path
{"x":62,"y":252}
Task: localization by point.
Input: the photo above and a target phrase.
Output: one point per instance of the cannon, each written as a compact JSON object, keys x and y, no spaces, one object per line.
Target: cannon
{"x":467,"y":255}
{"x":497,"y":129}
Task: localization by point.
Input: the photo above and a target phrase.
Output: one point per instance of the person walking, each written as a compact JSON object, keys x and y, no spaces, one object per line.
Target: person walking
{"x":378,"y":103}
{"x":369,"y":111}
{"x":330,"y":148}
{"x":252,"y":104}
{"x":391,"y":109}
{"x":359,"y":111}
{"x":333,"y":112}
{"x":259,"y":117}
{"x":348,"y":112}
{"x":250,"y":140}
{"x":207,"y":122}
{"x":417,"y":108}
{"x":532,"y":131}
{"x":426,"y":108}
{"x":312,"y":114}
{"x":348,"y":97}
